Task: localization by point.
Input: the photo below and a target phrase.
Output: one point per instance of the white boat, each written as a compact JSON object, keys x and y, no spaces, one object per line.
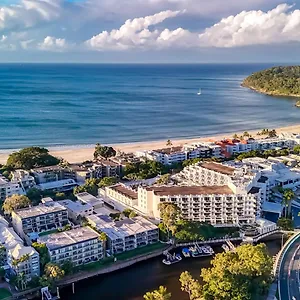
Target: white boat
{"x":200,"y":92}
{"x":186,"y":252}
{"x":172,"y":259}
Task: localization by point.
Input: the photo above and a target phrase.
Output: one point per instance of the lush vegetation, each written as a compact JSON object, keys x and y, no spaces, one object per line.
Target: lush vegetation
{"x":285,"y":223}
{"x":144,"y":170}
{"x":43,"y":252}
{"x":15,"y":202}
{"x":104,"y":151}
{"x":129,"y":213}
{"x":4,"y":293}
{"x":29,"y":158}
{"x":91,"y":185}
{"x":160,"y":294}
{"x":263,"y":154}
{"x":276,"y":81}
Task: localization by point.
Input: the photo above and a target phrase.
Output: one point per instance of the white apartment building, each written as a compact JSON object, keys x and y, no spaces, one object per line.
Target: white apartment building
{"x":15,"y":250}
{"x":213,"y":204}
{"x":24,"y":178}
{"x":122,"y":194}
{"x":127,"y":234}
{"x":9,"y":188}
{"x":43,"y":217}
{"x":81,"y":246}
{"x":86,"y":198}
{"x":77,"y":209}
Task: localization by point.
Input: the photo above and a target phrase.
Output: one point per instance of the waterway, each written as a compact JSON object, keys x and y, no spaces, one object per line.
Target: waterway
{"x":132,"y":283}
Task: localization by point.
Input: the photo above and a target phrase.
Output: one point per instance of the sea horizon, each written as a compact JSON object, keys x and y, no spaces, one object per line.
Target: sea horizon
{"x":65,"y":105}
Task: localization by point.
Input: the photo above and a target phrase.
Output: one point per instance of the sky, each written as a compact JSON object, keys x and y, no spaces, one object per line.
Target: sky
{"x":149,"y":31}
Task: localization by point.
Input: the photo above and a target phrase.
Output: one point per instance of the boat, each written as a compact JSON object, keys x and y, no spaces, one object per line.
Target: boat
{"x":172,"y":259}
{"x":201,"y":251}
{"x":186,"y":252}
{"x":200,"y":92}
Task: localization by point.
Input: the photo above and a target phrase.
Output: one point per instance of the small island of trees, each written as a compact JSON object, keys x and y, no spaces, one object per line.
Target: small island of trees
{"x":277,"y":81}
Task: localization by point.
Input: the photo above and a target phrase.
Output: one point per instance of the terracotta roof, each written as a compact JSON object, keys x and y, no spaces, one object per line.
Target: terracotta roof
{"x":120,"y":188}
{"x":218,"y":168}
{"x":190,"y":190}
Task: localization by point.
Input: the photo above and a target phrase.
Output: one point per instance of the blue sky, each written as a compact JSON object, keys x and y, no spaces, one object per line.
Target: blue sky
{"x":149,"y":31}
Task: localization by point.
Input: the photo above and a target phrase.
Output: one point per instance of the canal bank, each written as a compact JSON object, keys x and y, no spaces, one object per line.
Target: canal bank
{"x":133,"y":282}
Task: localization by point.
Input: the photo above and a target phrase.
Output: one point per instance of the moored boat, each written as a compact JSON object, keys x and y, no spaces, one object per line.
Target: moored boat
{"x":186,"y":252}
{"x":172,"y":259}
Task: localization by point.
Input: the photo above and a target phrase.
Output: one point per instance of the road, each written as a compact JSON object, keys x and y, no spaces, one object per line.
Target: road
{"x":289,"y":281}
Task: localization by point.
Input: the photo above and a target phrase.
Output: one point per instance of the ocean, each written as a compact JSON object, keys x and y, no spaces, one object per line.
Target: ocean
{"x":80,"y":104}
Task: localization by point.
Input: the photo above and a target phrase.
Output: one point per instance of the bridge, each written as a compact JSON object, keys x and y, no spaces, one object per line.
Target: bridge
{"x":286,"y":269}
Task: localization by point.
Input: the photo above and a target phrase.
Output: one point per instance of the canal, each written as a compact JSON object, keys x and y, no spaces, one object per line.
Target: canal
{"x":132,"y":283}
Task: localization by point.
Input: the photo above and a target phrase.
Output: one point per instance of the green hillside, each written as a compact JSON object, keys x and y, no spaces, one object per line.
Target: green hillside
{"x":280,"y":81}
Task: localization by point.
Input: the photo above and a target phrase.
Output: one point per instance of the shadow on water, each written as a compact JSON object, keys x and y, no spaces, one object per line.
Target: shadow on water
{"x":132,"y":283}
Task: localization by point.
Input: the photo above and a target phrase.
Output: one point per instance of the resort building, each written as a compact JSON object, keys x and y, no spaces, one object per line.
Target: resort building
{"x":122,"y":194}
{"x":9,"y":188}
{"x":77,"y":210}
{"x":15,"y":257}
{"x":43,"y":217}
{"x":81,"y":246}
{"x":24,"y":178}
{"x":89,"y":199}
{"x":217,"y":204}
{"x":127,"y":234}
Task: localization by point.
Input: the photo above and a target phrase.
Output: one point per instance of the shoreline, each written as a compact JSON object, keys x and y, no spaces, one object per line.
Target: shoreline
{"x":80,"y":153}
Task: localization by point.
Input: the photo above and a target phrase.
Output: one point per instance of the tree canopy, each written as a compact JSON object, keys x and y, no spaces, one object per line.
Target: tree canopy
{"x":144,"y":170}
{"x":104,"y":151}
{"x":32,"y":157}
{"x":276,"y":81}
{"x":169,"y":214}
{"x":160,"y":294}
{"x":245,"y":273}
{"x":15,"y":202}
{"x":42,"y":249}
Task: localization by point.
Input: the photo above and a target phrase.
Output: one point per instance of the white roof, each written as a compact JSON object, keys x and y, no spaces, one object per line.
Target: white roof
{"x":21,"y":250}
{"x":75,"y":206}
{"x":123,"y":228}
{"x":264,"y":223}
{"x":88,"y":198}
{"x":56,"y":184}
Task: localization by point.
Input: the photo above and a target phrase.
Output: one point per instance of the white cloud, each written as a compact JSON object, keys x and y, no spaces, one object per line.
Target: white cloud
{"x":136,"y":34}
{"x":279,"y":25}
{"x":53,"y":44}
{"x":28,"y":13}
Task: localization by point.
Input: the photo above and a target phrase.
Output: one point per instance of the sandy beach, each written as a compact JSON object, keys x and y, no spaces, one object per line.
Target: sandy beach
{"x":77,"y":154}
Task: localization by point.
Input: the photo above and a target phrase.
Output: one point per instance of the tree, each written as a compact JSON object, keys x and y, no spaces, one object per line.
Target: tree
{"x":54,"y":271}
{"x":107,"y":181}
{"x":160,"y":294}
{"x":60,"y":196}
{"x":272,"y":133}
{"x":285,"y":223}
{"x":163,"y":179}
{"x":169,"y":143}
{"x":42,"y":249}
{"x":246,"y":134}
{"x":144,"y":170}
{"x":15,"y":202}
{"x":90,"y":186}
{"x":245,"y":273}
{"x":68,"y":267}
{"x":169,"y":214}
{"x":35,"y":195}
{"x":103,"y":238}
{"x":104,"y":151}
{"x":296,"y":149}
{"x":190,"y":286}
{"x":32,"y":157}
{"x":191,"y":161}
{"x":287,"y":199}
{"x":133,"y":214}
{"x":235,"y":136}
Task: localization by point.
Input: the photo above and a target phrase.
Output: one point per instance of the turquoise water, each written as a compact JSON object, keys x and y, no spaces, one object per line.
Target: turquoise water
{"x":61,"y":104}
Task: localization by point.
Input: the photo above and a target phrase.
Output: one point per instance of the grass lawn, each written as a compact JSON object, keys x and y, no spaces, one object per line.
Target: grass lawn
{"x":4,"y":293}
{"x":97,"y":264}
{"x":139,"y":251}
{"x":48,"y":232}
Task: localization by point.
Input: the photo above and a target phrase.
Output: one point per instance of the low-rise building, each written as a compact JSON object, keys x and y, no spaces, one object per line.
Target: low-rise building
{"x":126,"y":234}
{"x":63,"y":185}
{"x":43,"y":217}
{"x":122,"y":194}
{"x":14,"y":255}
{"x":81,"y":246}
{"x":77,"y":209}
{"x":90,"y":199}
{"x":9,"y":188}
{"x":24,"y":178}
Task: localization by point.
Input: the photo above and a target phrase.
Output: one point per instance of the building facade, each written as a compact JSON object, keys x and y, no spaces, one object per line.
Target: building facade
{"x":9,"y":188}
{"x":43,"y":217}
{"x":81,"y":246}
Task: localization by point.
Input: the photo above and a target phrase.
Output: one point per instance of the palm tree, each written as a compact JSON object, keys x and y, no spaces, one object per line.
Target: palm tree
{"x":103,"y":238}
{"x":149,"y":296}
{"x":246,"y":134}
{"x":235,"y":136}
{"x":169,"y":143}
{"x":21,"y":281}
{"x":287,"y":199}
